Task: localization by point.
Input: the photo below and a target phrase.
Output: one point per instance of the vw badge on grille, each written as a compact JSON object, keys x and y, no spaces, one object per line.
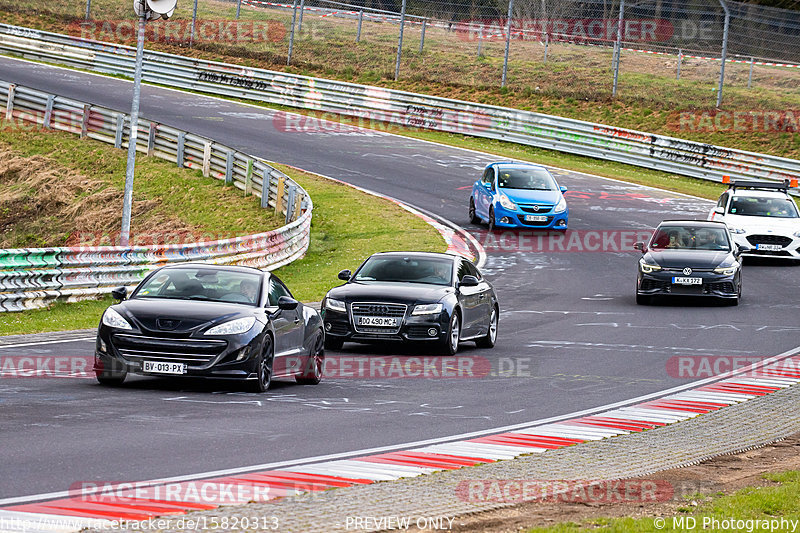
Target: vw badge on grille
{"x":687,"y":271}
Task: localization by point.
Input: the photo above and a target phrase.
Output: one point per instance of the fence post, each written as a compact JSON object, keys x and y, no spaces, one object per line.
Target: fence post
{"x":290,"y":203}
{"x":546,"y":45}
{"x":120,"y":127}
{"x":48,"y":112}
{"x":724,"y":51}
{"x":88,"y":10}
{"x":360,"y":20}
{"x":279,"y":196}
{"x":181,"y":148}
{"x":229,"y":168}
{"x":300,"y":17}
{"x":750,"y":76}
{"x":508,"y":43}
{"x":87,"y":111}
{"x":248,"y":178}
{"x":265,"y":185}
{"x":422,"y":37}
{"x":480,"y":42}
{"x":238,"y":9}
{"x":206,"y":159}
{"x":680,"y":60}
{"x":618,"y":47}
{"x":400,"y":40}
{"x":291,"y":35}
{"x":194,"y":21}
{"x":12,"y":90}
{"x":151,"y":138}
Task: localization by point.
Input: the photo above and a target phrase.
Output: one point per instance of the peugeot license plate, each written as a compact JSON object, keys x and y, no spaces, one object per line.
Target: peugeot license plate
{"x":379,"y":321}
{"x":687,"y":281}
{"x":535,"y":218}
{"x":769,"y":247}
{"x":160,"y":367}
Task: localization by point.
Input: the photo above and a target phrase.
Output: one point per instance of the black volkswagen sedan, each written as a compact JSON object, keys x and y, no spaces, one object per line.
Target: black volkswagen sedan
{"x":689,"y":258}
{"x":198,"y":320}
{"x":412,"y":296}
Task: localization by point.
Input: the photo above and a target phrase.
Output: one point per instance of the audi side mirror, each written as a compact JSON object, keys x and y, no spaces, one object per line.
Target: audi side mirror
{"x":469,"y":281}
{"x":345,"y":275}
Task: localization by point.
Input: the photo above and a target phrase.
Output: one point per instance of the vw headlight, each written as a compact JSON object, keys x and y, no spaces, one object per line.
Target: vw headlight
{"x":335,"y":305}
{"x":737,"y":231}
{"x":561,"y":206}
{"x":647,"y":267}
{"x":113,"y":319}
{"x":506,"y":202}
{"x":233,"y":327}
{"x":427,"y":309}
{"x":726,"y":271}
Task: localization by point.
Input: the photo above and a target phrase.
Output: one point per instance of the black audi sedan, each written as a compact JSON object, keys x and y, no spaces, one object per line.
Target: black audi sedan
{"x":434,"y":298}
{"x":690,"y":258}
{"x":223,"y":322}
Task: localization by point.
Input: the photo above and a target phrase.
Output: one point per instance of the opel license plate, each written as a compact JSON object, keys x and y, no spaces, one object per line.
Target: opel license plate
{"x":535,"y":218}
{"x":160,"y":367}
{"x":379,"y":321}
{"x":687,"y":281}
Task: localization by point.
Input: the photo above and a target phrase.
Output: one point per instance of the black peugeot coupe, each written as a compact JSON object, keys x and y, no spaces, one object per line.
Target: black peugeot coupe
{"x":440,"y":299}
{"x":199,"y":320}
{"x":690,"y":258}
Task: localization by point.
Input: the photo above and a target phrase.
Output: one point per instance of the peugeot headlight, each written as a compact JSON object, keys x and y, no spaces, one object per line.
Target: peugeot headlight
{"x":726,"y":271}
{"x":113,"y":319}
{"x":648,"y":267}
{"x":233,"y":327}
{"x":561,"y":206}
{"x":335,"y":305}
{"x":506,"y":202}
{"x":738,"y":231}
{"x":427,"y":309}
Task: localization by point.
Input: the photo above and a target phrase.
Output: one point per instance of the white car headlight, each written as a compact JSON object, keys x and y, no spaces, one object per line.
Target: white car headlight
{"x":737,"y":231}
{"x":506,"y":202}
{"x":427,"y":309}
{"x":797,"y":233}
{"x":727,"y":271}
{"x":233,"y":327}
{"x":335,"y":305}
{"x":113,"y":319}
{"x":561,"y":206}
{"x":647,"y":267}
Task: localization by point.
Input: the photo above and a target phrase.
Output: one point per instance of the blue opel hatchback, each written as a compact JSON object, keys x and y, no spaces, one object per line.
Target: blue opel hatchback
{"x":518,"y":195}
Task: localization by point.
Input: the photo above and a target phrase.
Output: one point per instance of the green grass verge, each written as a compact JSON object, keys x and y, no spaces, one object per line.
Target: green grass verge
{"x":749,"y":504}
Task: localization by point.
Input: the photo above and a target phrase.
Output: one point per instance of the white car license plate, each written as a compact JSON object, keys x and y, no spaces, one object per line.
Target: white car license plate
{"x":687,"y":281}
{"x":535,"y":218}
{"x":160,"y":367}
{"x":379,"y":321}
{"x":769,"y":247}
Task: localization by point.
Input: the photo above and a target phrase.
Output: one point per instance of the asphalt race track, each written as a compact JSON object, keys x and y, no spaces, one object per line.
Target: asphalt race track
{"x":571,"y":336}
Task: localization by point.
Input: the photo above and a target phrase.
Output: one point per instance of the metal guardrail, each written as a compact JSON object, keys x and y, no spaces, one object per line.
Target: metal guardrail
{"x":642,"y":149}
{"x":34,"y":277}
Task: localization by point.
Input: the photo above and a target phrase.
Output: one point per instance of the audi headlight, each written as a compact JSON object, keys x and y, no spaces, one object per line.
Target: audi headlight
{"x":648,"y":267}
{"x":726,"y":271}
{"x":233,"y":327}
{"x":113,"y":319}
{"x":738,"y":231}
{"x":427,"y":309}
{"x":561,"y":206}
{"x":506,"y":202}
{"x":335,"y":305}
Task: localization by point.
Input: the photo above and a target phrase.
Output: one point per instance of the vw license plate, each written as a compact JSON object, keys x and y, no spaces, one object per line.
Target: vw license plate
{"x":379,"y":321}
{"x":769,"y":247}
{"x":687,"y":281}
{"x":160,"y":367}
{"x":535,"y":218}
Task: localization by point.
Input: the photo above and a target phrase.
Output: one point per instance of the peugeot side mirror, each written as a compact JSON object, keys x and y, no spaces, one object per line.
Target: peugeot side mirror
{"x":287,"y":304}
{"x":638,"y":246}
{"x":469,"y":281}
{"x":344,"y":275}
{"x":120,"y":293}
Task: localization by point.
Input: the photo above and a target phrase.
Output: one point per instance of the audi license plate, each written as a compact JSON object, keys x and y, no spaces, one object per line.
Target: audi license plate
{"x":769,"y":247}
{"x":687,"y":281}
{"x":535,"y":218}
{"x":160,"y":367}
{"x":379,"y":321}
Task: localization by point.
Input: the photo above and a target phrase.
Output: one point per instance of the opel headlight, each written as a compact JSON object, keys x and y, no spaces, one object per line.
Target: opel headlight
{"x":506,"y":202}
{"x":427,"y":309}
{"x":726,"y":271}
{"x":561,"y":206}
{"x":648,"y":267}
{"x":738,"y":231}
{"x":335,"y":305}
{"x":233,"y":327}
{"x":113,"y":319}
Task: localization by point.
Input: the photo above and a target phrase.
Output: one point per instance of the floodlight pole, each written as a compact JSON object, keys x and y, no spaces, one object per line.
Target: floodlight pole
{"x":127,"y":203}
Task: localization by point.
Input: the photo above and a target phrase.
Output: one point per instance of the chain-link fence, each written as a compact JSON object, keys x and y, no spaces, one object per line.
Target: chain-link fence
{"x":578,"y":48}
